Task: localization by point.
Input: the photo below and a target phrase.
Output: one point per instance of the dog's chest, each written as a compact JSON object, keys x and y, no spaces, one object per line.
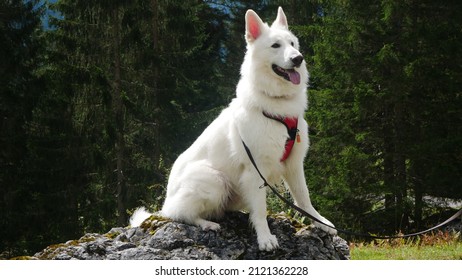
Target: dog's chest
{"x":291,"y":134}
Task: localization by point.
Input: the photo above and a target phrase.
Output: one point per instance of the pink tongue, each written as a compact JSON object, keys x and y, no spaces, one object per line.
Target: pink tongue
{"x":294,"y":76}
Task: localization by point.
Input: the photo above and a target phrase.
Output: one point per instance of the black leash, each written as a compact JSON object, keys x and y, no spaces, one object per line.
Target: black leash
{"x":306,"y":214}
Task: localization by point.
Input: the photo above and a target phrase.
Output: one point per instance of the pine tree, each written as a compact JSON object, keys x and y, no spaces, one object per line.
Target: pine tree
{"x":20,"y":88}
{"x":375,"y":91}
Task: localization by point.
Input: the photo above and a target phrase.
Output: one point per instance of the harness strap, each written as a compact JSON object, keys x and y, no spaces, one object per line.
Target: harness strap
{"x":304,"y":213}
{"x":292,"y":130}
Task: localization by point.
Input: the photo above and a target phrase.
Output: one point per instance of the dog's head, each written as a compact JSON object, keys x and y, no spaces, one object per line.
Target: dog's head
{"x":275,"y":49}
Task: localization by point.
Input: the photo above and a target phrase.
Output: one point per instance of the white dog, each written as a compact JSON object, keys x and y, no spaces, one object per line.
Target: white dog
{"x":215,"y":174}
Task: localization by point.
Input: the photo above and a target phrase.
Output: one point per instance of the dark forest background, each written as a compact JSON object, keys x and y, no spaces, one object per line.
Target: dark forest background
{"x":98,"y":98}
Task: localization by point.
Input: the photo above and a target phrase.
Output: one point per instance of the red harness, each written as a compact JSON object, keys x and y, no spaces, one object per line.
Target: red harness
{"x":291,"y":126}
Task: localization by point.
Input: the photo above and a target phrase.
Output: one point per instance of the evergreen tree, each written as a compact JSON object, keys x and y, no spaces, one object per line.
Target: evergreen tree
{"x":20,"y":88}
{"x":377,"y":88}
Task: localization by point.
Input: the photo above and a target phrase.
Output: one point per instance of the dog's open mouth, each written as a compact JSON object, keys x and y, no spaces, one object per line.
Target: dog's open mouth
{"x":288,"y":74}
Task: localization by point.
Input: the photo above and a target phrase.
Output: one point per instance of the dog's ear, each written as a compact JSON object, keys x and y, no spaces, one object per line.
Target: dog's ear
{"x":253,"y":26}
{"x":281,"y":20}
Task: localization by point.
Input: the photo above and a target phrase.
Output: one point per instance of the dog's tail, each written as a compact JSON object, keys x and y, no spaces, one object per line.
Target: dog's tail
{"x":139,"y":216}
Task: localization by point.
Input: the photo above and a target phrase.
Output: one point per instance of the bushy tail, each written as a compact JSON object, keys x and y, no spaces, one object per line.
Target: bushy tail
{"x":139,"y":216}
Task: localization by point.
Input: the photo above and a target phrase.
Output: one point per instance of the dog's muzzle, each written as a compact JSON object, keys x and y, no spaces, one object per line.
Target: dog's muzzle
{"x":290,"y":74}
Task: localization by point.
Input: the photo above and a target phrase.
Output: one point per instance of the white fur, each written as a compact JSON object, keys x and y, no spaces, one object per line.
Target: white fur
{"x":215,"y":174}
{"x":139,"y":216}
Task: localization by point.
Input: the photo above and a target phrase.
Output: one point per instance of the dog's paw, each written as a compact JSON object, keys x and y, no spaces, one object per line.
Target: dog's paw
{"x":208,"y":225}
{"x":324,"y":227}
{"x":268,"y":243}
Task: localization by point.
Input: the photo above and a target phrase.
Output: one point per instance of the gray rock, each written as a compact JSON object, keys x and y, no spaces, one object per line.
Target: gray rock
{"x":161,"y":239}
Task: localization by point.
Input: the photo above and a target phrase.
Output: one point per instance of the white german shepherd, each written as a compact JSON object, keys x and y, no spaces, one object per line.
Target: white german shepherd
{"x":215,"y":174}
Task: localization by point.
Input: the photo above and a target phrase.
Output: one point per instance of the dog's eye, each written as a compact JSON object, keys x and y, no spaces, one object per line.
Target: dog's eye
{"x":292,"y":44}
{"x":275,"y":45}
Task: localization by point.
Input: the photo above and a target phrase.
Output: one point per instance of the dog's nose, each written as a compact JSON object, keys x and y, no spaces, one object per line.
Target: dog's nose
{"x":297,"y":60}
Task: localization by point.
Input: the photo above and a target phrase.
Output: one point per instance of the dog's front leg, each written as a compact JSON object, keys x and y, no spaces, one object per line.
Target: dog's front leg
{"x":295,"y":178}
{"x":255,"y":200}
{"x":266,"y":240}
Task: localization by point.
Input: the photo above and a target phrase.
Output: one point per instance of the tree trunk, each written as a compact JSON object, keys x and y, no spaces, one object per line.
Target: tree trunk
{"x":388,"y":164}
{"x":417,"y":179}
{"x":119,"y":119}
{"x":400,"y":166}
{"x":418,"y":192}
{"x":154,"y":81}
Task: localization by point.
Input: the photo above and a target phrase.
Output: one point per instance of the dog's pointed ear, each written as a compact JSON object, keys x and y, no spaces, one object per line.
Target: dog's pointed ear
{"x":281,"y":20}
{"x":253,"y":26}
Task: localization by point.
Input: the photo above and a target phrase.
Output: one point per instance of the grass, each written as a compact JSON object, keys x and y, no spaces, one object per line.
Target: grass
{"x":434,"y":246}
